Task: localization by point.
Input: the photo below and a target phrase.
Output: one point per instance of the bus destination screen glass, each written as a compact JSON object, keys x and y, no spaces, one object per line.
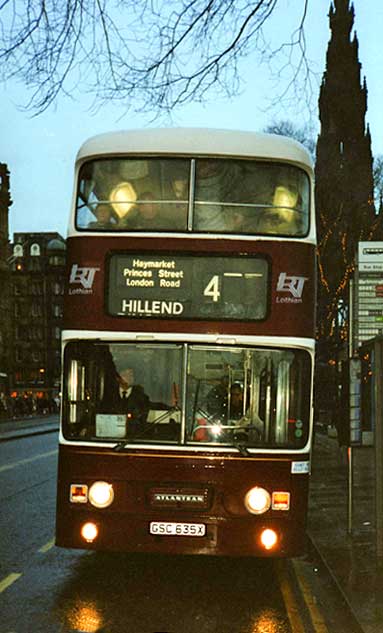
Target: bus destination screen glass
{"x":187,"y":287}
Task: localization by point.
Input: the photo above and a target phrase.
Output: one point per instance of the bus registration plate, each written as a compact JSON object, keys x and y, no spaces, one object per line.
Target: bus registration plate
{"x":162,"y":528}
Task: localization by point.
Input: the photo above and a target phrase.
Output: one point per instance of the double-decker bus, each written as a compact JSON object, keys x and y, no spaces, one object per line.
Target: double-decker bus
{"x":188,"y":345}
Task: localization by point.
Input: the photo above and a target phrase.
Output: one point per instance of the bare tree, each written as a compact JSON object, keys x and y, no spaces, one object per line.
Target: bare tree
{"x":150,"y":55}
{"x":302,"y":134}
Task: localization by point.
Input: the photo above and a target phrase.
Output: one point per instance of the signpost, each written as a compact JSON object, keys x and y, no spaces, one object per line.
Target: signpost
{"x":368,"y":326}
{"x":369,"y":292}
{"x":378,"y":404}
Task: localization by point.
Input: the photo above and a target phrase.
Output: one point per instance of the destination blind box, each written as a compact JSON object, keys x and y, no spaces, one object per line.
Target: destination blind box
{"x":187,"y":287}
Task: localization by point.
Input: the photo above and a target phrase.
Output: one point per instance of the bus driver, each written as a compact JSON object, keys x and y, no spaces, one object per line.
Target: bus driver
{"x":129,"y":398}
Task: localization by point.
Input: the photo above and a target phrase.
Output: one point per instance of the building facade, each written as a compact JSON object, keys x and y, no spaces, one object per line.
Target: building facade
{"x":37,"y":273}
{"x":5,"y":299}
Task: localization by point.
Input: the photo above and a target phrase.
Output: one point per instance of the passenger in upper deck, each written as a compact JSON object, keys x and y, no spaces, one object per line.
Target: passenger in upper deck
{"x":179,"y":187}
{"x":104,"y":216}
{"x":209,"y":215}
{"x":147,"y":215}
{"x":286,"y":216}
{"x":179,"y":201}
{"x":279,"y":222}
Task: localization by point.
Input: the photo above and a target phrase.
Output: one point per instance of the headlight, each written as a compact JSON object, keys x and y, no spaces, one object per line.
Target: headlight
{"x":257,"y":500}
{"x":101,"y":494}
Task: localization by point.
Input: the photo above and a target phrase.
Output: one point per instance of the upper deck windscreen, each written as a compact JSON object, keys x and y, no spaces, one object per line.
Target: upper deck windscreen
{"x":209,"y":195}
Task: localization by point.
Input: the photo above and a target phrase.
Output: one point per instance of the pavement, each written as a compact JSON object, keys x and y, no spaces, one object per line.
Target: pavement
{"x":344,"y":539}
{"x":344,"y":534}
{"x":24,"y":427}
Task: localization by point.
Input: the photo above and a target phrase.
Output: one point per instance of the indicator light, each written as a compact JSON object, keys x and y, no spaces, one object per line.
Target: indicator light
{"x":280,"y":500}
{"x":78,"y":493}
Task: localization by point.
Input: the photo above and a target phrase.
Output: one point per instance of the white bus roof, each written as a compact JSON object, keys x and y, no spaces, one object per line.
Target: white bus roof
{"x":198,"y":142}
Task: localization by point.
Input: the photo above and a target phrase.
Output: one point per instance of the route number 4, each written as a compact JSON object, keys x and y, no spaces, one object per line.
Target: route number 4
{"x":212,"y":289}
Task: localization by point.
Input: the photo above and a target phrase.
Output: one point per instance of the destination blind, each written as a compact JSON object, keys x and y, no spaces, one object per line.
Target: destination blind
{"x":187,"y":287}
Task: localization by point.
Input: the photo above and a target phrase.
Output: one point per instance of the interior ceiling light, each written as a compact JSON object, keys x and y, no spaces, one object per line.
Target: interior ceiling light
{"x":285,"y":198}
{"x":123,"y":198}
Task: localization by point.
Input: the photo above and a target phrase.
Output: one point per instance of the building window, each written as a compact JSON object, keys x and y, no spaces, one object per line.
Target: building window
{"x":36,"y":309}
{"x":17,"y":266}
{"x":36,"y":333}
{"x":36,"y":288}
{"x":18,"y":250}
{"x":57,"y":260}
{"x":22,"y":333}
{"x":58,"y":288}
{"x":57,"y":310}
{"x":35,"y":250}
{"x":34,"y":264}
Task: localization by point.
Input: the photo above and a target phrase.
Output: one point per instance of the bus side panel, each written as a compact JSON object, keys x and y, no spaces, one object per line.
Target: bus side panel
{"x":197,"y":490}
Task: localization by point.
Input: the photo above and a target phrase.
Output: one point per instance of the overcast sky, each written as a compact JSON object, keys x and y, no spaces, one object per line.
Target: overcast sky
{"x":40,"y":151}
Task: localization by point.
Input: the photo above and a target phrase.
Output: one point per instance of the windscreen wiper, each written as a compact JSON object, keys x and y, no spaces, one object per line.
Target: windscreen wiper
{"x":241,"y":448}
{"x":120,"y":446}
{"x":138,"y":436}
{"x":159,"y":420}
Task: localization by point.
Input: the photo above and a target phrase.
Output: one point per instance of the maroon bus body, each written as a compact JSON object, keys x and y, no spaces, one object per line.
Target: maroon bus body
{"x":221,"y":477}
{"x":84,"y":308}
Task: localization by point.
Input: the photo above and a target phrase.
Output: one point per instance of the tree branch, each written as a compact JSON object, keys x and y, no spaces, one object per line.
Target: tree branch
{"x":149,"y":55}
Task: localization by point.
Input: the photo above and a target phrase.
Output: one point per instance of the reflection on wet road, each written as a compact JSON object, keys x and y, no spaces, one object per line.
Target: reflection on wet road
{"x":50,"y":590}
{"x":165,"y":594}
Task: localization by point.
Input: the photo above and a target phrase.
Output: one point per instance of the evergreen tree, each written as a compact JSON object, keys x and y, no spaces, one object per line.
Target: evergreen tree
{"x":344,"y":178}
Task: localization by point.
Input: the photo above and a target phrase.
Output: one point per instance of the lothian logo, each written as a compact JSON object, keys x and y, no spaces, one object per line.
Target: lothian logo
{"x":84,"y":277}
{"x":293,"y":285}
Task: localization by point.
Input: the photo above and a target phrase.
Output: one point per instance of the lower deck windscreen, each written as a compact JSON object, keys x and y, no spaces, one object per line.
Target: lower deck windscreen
{"x":186,"y":394}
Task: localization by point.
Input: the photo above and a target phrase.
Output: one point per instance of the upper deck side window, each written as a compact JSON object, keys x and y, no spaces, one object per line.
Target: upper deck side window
{"x":210,"y":195}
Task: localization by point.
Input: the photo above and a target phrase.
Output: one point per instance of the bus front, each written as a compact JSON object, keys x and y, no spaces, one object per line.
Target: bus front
{"x":188,"y":346}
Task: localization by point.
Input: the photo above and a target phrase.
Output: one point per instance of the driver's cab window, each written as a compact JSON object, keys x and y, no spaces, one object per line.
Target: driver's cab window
{"x":122,"y":392}
{"x":255,"y":397}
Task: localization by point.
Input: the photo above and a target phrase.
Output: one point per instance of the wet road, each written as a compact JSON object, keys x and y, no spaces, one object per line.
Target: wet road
{"x":49,"y":590}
